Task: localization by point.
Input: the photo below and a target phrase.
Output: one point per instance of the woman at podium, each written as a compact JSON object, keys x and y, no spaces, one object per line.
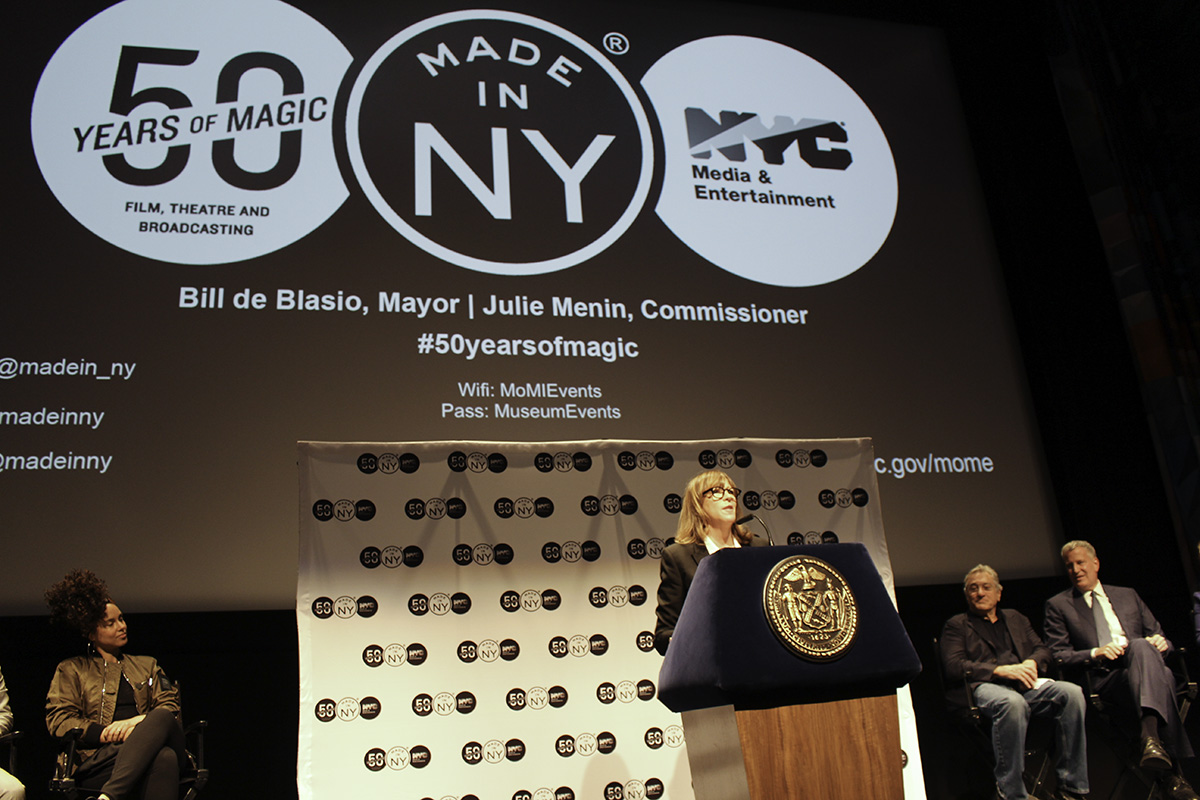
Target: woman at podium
{"x":707,"y":523}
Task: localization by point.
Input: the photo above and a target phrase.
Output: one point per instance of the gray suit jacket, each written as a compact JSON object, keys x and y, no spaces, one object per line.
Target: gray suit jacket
{"x":1071,"y":628}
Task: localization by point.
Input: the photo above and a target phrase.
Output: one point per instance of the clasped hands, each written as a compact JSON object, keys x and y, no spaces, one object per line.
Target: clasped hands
{"x":1025,"y":673}
{"x":1112,"y":651}
{"x":119,"y":731}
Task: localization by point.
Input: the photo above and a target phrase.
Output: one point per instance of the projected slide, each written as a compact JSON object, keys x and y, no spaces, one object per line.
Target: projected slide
{"x":232,"y":226}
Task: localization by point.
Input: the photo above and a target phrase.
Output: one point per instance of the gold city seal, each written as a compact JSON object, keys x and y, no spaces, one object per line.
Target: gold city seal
{"x":810,"y":607}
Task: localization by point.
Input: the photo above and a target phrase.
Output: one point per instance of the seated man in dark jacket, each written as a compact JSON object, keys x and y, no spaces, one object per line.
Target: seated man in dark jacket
{"x":1007,"y":663}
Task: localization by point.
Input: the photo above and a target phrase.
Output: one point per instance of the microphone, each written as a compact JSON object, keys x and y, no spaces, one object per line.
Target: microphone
{"x":748,"y":517}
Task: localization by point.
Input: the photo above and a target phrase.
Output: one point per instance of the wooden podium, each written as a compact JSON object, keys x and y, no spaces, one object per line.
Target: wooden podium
{"x":764,"y":724}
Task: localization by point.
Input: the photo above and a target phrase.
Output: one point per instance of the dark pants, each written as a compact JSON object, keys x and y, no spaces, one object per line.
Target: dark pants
{"x":150,"y":758}
{"x":1141,"y":681}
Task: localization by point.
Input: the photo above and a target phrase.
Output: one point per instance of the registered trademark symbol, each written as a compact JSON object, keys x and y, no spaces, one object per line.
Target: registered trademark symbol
{"x":616,"y":43}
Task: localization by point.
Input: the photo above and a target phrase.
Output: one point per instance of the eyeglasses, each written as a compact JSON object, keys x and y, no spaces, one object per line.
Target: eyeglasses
{"x":719,"y":492}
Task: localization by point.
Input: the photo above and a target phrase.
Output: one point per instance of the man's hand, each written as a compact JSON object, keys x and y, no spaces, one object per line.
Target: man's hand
{"x":1159,"y":641}
{"x":1025,"y":673}
{"x":119,"y":731}
{"x":1110,"y":652}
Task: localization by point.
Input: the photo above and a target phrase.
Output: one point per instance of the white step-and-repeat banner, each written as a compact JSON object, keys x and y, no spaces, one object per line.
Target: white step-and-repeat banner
{"x":476,"y":618}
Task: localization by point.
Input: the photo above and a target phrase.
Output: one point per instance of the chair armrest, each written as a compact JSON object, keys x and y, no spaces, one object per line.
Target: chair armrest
{"x":62,"y":780}
{"x":10,"y":740}
{"x":195,"y":735}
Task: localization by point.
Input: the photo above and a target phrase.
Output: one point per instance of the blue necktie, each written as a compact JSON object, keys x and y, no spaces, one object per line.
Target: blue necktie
{"x":1103,"y":634}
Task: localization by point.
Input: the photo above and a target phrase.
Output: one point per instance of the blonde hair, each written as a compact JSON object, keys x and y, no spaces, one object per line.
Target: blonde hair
{"x":692,"y":519}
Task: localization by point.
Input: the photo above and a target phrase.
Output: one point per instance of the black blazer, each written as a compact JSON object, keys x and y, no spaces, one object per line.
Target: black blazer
{"x":676,"y":571}
{"x":964,"y":649}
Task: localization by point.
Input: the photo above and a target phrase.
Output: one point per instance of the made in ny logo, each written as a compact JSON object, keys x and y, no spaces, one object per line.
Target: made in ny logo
{"x":775,"y":169}
{"x":476,"y":134}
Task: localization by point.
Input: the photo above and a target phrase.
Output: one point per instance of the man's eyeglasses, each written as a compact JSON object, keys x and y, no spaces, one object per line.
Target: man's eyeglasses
{"x":719,"y":492}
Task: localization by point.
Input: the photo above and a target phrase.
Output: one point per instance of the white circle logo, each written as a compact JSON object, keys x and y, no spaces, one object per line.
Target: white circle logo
{"x":193,"y":132}
{"x":775,"y":169}
{"x":499,"y":142}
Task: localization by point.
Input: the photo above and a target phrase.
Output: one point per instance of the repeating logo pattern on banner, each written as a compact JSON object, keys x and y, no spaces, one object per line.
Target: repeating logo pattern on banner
{"x":500,"y":653}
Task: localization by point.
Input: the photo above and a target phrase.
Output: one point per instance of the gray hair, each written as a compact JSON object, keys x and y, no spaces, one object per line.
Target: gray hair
{"x":984,"y":568}
{"x":1076,"y":544}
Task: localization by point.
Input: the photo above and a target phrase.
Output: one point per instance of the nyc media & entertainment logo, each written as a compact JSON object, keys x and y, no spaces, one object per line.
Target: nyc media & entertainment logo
{"x":499,"y":142}
{"x":775,"y":169}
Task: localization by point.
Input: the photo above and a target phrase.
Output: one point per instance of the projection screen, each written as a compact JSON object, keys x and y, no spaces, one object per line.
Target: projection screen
{"x":238,"y":225}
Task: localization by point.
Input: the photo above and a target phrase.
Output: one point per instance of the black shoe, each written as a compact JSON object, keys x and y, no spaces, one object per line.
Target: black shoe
{"x":1154,"y":755}
{"x":1175,"y":787}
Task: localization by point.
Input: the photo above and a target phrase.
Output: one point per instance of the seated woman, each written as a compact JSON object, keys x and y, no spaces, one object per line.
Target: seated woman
{"x":707,"y":523}
{"x":125,"y":705}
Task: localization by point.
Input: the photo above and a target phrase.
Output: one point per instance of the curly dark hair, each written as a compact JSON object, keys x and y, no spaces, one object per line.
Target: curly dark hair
{"x":79,"y":601}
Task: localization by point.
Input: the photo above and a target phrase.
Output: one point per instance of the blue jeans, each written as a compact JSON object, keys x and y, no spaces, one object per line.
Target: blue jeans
{"x":1009,"y":710}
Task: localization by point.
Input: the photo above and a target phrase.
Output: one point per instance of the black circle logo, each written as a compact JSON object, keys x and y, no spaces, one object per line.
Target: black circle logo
{"x":375,"y":759}
{"x":504,"y":507}
{"x":558,"y":647}
{"x":456,"y":508}
{"x":322,"y":607}
{"x":417,"y":653}
{"x":589,"y":505}
{"x":472,"y":752}
{"x":367,"y":606}
{"x":369,"y":708}
{"x":372,"y":655}
{"x":510,"y":601}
